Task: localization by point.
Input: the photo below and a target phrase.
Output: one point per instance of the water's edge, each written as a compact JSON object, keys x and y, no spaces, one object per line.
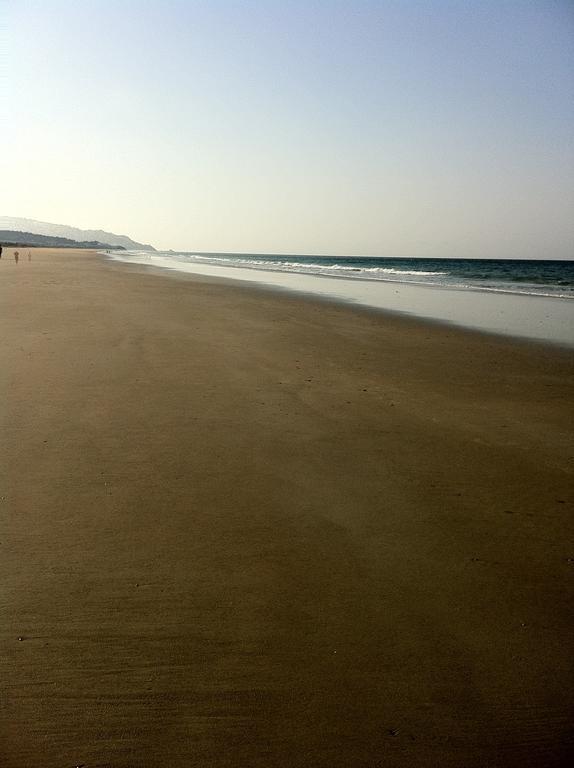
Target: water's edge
{"x":534,"y":317}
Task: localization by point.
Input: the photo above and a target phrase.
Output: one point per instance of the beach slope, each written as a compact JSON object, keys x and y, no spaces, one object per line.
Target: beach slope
{"x":240,"y":528}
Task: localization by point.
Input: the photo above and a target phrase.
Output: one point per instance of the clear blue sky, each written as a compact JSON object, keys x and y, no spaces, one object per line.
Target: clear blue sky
{"x":405,"y":128}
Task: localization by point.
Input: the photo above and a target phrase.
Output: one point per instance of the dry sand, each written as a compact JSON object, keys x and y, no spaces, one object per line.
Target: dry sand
{"x":248,"y":529}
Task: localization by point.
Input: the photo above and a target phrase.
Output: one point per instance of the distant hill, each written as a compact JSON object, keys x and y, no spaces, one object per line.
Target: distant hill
{"x":22,"y":239}
{"x":34,"y":227}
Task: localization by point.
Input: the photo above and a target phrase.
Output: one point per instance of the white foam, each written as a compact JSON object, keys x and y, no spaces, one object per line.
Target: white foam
{"x":298,"y":266}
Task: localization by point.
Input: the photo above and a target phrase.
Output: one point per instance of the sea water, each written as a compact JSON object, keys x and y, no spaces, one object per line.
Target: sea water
{"x":526,"y":298}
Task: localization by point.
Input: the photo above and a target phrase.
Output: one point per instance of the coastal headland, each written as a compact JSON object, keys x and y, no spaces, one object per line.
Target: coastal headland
{"x":243,"y":528}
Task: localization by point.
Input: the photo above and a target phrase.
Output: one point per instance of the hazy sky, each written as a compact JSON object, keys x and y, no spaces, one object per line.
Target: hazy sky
{"x":392,"y":128}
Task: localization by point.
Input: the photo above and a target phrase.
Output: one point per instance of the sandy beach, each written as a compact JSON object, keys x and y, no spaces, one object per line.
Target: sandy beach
{"x":240,"y":528}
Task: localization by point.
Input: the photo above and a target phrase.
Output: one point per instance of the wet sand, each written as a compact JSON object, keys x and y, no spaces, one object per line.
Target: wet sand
{"x":248,"y":529}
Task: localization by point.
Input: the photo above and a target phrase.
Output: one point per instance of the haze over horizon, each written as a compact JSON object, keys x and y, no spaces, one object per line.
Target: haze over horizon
{"x":383,"y":128}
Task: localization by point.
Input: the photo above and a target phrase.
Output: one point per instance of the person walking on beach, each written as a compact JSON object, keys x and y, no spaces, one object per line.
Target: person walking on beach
{"x":16,"y":255}
{"x":29,"y":255}
{"x":0,"y":251}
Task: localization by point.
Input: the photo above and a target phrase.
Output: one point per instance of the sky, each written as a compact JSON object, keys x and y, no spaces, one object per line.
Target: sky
{"x":423,"y":128}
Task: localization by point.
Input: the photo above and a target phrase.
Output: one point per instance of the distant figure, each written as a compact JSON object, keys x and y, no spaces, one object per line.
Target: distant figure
{"x":16,"y":255}
{"x":0,"y":251}
{"x":29,"y":255}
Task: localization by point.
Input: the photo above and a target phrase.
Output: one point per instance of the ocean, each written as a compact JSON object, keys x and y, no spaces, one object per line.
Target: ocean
{"x":539,"y":278}
{"x":525,"y":298}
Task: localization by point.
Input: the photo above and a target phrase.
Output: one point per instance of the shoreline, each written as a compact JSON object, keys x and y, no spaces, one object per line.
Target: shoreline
{"x":537,"y":318}
{"x":352,"y":306}
{"x":240,"y":528}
